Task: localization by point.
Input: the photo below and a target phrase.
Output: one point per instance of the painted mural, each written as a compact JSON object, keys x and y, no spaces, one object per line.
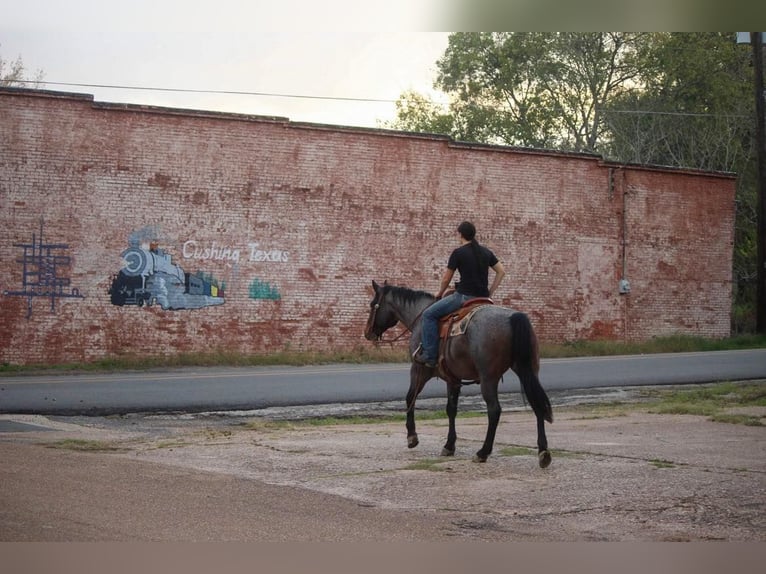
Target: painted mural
{"x":149,"y":276}
{"x":44,"y":272}
{"x":263,"y":290}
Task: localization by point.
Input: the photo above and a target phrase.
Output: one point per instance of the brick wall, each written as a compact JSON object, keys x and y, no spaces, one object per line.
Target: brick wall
{"x":290,"y":222}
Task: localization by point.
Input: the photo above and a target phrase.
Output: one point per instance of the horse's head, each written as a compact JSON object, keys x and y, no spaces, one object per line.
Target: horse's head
{"x":381,"y":316}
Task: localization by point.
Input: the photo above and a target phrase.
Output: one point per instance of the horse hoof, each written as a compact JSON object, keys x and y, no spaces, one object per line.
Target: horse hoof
{"x":544,"y":458}
{"x":477,"y":458}
{"x":448,"y":452}
{"x":412,"y":441}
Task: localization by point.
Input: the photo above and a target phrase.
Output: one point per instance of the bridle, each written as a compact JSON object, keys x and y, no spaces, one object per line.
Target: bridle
{"x":380,"y":339}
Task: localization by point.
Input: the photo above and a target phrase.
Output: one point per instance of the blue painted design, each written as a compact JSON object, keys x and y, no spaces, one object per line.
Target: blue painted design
{"x":43,"y":266}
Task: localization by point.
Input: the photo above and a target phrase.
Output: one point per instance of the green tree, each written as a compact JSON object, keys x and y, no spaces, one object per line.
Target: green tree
{"x":531,"y":89}
{"x":694,"y":108}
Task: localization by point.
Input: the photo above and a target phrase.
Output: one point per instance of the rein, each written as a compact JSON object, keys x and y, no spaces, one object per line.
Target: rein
{"x":395,"y":339}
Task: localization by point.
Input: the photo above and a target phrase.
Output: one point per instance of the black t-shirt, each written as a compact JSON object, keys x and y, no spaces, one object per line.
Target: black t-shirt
{"x":474,"y":280}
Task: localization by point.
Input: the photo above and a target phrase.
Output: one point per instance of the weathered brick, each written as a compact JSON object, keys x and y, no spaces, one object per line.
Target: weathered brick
{"x":297,"y":219}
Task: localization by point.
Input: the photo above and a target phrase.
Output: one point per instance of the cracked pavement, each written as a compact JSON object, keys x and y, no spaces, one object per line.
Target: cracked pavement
{"x":622,"y":476}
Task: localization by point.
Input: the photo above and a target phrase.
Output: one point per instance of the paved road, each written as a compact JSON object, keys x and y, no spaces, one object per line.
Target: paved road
{"x":211,"y":389}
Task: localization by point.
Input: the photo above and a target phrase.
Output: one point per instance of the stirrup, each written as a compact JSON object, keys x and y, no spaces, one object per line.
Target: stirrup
{"x":417,"y":357}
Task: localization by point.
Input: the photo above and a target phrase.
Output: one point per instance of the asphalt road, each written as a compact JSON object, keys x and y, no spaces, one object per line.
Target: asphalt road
{"x":214,"y":389}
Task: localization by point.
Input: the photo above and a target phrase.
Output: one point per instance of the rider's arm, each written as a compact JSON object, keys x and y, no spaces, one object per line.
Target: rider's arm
{"x":446,"y":278}
{"x":499,"y":274}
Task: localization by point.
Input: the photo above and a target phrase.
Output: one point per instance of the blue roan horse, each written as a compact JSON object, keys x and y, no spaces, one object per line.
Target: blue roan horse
{"x":495,"y":340}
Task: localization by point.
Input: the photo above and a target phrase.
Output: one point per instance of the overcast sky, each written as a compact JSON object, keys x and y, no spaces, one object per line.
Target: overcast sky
{"x":294,"y":47}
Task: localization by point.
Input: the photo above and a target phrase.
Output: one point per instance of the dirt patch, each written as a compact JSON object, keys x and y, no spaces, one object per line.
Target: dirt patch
{"x":635,"y":476}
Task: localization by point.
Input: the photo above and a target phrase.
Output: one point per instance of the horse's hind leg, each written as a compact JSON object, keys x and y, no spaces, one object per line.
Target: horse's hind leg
{"x":453,"y":395}
{"x":489,"y":392}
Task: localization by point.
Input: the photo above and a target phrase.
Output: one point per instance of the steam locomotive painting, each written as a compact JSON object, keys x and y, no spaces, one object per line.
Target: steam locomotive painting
{"x":148,"y":276}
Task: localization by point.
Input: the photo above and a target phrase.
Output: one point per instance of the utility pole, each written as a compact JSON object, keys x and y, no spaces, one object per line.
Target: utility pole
{"x":756,"y":39}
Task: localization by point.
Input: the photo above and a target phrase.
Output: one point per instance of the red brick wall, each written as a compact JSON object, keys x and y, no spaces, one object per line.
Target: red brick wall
{"x":330,"y":209}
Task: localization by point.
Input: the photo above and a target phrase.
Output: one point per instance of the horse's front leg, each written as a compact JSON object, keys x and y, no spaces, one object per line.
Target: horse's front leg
{"x":418,"y":377}
{"x":543,"y":454}
{"x":489,"y":393}
{"x":453,"y":395}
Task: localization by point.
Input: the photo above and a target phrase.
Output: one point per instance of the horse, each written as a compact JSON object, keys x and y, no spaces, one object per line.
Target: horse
{"x":496,"y":339}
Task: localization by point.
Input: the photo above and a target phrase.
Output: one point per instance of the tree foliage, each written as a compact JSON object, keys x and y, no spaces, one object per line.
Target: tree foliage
{"x":14,"y":73}
{"x":534,"y":89}
{"x":419,"y":114}
{"x":670,"y":99}
{"x":694,"y":108}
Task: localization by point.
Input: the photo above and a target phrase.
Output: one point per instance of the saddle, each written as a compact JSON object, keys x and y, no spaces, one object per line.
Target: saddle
{"x":457,"y":322}
{"x":454,"y":324}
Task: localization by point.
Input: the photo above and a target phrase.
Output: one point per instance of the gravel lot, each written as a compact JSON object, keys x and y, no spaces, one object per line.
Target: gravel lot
{"x":615,"y":476}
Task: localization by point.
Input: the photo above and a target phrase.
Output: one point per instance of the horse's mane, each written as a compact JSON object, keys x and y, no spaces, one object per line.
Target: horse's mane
{"x":406,"y":294}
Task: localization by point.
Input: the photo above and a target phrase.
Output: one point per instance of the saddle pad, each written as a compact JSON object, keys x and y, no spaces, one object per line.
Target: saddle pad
{"x":457,"y":323}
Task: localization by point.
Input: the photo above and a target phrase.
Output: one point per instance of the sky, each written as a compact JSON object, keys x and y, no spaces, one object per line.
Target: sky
{"x":318,"y":50}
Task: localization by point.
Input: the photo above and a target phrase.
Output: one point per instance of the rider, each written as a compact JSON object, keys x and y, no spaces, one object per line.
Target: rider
{"x":472,"y":260}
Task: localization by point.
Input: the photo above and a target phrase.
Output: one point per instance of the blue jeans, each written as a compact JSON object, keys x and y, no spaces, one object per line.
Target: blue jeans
{"x":431,"y":316}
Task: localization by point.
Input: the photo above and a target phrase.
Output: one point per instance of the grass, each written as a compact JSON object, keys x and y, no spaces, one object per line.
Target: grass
{"x":719,"y":402}
{"x":83,"y":445}
{"x":214,"y":434}
{"x":734,"y":419}
{"x":596,"y":411}
{"x":130,"y":362}
{"x":713,"y":401}
{"x":517,"y":451}
{"x":432,"y":464}
{"x":669,"y":344}
{"x":171,"y":444}
{"x":259,"y":424}
{"x":370,"y":354}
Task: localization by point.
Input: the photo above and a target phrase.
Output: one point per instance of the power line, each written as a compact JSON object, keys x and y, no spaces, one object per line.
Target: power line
{"x":193,"y":91}
{"x":693,"y":114}
{"x":335,"y":98}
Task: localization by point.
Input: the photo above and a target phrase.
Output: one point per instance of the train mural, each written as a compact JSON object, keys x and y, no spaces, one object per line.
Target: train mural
{"x":149,"y":276}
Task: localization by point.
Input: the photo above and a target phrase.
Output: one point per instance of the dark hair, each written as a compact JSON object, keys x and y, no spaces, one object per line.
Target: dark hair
{"x":467,"y":230}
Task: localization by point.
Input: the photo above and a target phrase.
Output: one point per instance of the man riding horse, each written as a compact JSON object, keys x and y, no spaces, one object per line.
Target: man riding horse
{"x":472,"y":260}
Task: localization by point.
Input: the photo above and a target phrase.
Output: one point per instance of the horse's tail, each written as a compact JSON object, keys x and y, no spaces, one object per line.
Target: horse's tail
{"x":523,"y":354}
